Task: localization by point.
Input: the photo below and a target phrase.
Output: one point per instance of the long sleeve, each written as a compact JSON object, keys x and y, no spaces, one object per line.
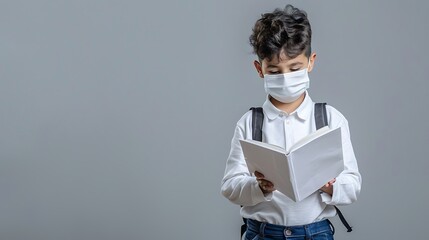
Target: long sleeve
{"x":237,"y":184}
{"x":348,"y":184}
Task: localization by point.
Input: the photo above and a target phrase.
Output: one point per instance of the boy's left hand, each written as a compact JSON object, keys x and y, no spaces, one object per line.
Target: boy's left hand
{"x":328,"y":188}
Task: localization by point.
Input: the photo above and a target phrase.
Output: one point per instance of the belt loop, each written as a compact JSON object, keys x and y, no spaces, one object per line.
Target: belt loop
{"x":262,"y":229}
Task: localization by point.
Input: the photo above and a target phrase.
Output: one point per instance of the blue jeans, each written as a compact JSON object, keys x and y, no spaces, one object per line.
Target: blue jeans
{"x":265,"y":231}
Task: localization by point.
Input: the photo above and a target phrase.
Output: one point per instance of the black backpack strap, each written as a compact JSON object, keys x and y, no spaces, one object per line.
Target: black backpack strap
{"x":343,"y":220}
{"x":322,"y":120}
{"x":257,"y":121}
{"x":320,"y":115}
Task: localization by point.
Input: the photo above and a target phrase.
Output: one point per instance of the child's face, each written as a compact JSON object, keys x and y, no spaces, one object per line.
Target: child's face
{"x":284,"y":64}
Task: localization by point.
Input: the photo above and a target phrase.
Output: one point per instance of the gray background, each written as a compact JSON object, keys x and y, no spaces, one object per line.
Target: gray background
{"x":117,"y":116}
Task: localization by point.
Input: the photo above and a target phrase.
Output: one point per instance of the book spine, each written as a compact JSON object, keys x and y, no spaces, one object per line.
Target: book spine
{"x":292,"y":177}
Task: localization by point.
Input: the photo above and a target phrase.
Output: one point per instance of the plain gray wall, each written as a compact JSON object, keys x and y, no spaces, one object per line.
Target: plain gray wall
{"x":117,"y":116}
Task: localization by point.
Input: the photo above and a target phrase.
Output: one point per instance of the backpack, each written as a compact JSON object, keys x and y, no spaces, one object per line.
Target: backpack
{"x":321,"y":120}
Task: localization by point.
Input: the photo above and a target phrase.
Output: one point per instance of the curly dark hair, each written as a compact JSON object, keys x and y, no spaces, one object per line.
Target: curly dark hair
{"x":287,"y":29}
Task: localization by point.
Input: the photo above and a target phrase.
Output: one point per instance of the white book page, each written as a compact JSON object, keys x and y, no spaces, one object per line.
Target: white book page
{"x":271,"y":161}
{"x":310,"y":137}
{"x":317,"y":162}
{"x":265,"y":145}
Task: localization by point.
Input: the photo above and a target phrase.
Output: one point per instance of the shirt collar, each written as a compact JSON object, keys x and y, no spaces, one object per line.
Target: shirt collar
{"x":303,"y":111}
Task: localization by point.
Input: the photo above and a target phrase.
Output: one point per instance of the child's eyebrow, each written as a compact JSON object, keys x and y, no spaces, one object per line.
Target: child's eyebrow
{"x":272,"y":66}
{"x":294,"y":64}
{"x":289,"y":65}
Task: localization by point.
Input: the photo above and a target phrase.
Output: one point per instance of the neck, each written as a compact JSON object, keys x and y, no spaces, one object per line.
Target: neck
{"x":288,"y":107}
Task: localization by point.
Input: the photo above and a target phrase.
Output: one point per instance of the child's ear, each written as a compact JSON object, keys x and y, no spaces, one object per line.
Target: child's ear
{"x":312,"y":60}
{"x":258,"y":68}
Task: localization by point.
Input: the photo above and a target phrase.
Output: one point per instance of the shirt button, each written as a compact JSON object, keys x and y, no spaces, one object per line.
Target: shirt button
{"x":288,"y":232}
{"x":287,"y":122}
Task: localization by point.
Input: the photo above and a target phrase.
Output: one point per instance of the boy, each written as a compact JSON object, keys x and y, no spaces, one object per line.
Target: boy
{"x":282,"y":42}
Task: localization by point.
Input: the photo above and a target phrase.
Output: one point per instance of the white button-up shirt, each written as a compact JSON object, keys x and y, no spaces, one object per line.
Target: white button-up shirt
{"x":283,"y":129}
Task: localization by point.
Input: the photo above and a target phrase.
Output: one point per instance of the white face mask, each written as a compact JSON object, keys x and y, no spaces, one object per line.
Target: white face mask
{"x":287,"y":87}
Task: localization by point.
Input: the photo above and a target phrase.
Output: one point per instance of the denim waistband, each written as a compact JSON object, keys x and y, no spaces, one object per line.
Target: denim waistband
{"x":268,"y":229}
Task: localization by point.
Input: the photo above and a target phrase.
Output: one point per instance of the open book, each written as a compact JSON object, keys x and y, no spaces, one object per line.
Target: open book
{"x":311,"y":162}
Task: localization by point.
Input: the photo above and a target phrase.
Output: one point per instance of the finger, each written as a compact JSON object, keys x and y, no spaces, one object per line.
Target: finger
{"x":269,"y":189}
{"x":266,"y":183}
{"x":259,"y":175}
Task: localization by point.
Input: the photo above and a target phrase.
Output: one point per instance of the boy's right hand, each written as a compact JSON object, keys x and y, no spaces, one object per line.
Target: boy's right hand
{"x":265,"y":185}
